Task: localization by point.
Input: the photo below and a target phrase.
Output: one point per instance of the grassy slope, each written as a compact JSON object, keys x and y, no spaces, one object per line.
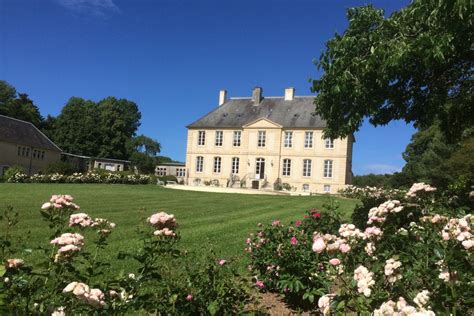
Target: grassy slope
{"x":223,"y":220}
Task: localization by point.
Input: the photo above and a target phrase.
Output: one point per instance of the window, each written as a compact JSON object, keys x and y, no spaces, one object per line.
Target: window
{"x":19,"y":151}
{"x":305,"y":187}
{"x":307,"y":168}
{"x":217,"y":164}
{"x":286,"y":167}
{"x":235,"y":165}
{"x":99,"y":165}
{"x":329,"y":143}
{"x":237,"y":135}
{"x":262,"y":135}
{"x":34,"y":153}
{"x":288,"y":139}
{"x":201,"y":138}
{"x":199,"y":163}
{"x":27,"y":152}
{"x":161,"y":171}
{"x":23,"y":151}
{"x":181,"y":172}
{"x":327,"y":188}
{"x":308,"y":139}
{"x":118,"y":167}
{"x":42,"y":155}
{"x":328,"y":168}
{"x":219,"y":138}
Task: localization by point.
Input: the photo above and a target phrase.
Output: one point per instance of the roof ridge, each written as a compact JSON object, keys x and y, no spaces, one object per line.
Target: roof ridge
{"x":36,"y":128}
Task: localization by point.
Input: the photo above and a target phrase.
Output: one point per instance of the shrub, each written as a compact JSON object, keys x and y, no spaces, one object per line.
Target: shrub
{"x":413,"y":255}
{"x":281,"y":260}
{"x":60,"y":167}
{"x":70,"y":279}
{"x":168,"y":178}
{"x":15,"y":174}
{"x":89,"y":177}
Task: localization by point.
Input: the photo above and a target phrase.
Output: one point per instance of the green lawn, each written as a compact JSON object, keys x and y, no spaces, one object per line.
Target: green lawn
{"x":222,"y":220}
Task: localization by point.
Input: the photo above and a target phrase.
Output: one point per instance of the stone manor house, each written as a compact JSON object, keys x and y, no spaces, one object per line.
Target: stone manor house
{"x":264,"y":142}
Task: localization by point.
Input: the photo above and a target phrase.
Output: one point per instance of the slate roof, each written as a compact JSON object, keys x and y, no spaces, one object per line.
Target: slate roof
{"x":237,"y":112}
{"x":24,"y":133}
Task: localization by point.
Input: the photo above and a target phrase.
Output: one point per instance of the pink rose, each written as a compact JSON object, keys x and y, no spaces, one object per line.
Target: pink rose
{"x":445,"y":235}
{"x":222,"y":262}
{"x":259,"y":284}
{"x":319,"y":245}
{"x":294,"y":241}
{"x":298,"y":223}
{"x":467,"y":244}
{"x":276,"y":223}
{"x":189,"y":298}
{"x":344,"y":248}
{"x":335,"y":262}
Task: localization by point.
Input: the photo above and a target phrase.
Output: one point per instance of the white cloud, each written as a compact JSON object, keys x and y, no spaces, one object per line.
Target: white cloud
{"x":380,"y":168}
{"x":94,"y":7}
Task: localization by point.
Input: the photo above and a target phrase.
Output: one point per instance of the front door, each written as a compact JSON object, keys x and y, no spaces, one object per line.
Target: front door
{"x":260,"y":168}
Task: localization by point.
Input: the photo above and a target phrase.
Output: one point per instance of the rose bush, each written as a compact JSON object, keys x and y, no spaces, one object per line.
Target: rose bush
{"x":412,"y":256}
{"x":73,"y":278}
{"x":89,"y":177}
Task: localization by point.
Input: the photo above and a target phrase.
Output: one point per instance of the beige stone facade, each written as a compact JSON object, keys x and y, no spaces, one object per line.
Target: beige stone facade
{"x":268,"y":154}
{"x":31,"y":159}
{"x":171,"y":169}
{"x":24,"y":145}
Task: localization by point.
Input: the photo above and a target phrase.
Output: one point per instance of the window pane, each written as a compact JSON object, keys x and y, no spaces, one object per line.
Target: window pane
{"x":288,"y":139}
{"x":308,"y":139}
{"x":201,"y":138}
{"x":328,"y":168}
{"x":237,"y":135}
{"x":219,"y":138}
{"x":329,"y":143}
{"x":306,"y":168}
{"x":217,"y":164}
{"x":286,"y":167}
{"x":199,"y":163}
{"x":261,"y":138}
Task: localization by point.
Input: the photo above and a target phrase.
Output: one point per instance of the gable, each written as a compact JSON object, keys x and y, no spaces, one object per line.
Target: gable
{"x":262,"y":123}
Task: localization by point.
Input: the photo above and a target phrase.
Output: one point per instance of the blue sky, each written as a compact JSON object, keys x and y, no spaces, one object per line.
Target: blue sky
{"x":172,"y":57}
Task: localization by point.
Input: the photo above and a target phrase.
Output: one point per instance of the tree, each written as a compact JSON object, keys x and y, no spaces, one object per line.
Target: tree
{"x":416,"y":65}
{"x":144,"y":156}
{"x":426,"y":156}
{"x":119,"y":119}
{"x":77,"y":128}
{"x":146,"y":145}
{"x":102,"y":129}
{"x":18,"y":105}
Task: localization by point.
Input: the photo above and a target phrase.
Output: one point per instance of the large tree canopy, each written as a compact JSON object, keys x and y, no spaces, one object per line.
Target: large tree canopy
{"x":102,"y":129}
{"x":18,"y":105}
{"x":416,"y":65}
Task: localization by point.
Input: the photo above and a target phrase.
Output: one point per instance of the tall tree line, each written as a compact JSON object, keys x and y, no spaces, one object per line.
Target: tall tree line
{"x":106,"y":128}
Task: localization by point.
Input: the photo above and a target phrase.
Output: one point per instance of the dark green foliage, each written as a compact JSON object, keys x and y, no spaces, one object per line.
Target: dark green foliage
{"x":143,"y":162}
{"x":12,"y":171}
{"x":372,"y":180}
{"x":415,"y":65}
{"x":18,"y":105}
{"x":100,"y":129}
{"x":168,"y":178}
{"x":60,"y":167}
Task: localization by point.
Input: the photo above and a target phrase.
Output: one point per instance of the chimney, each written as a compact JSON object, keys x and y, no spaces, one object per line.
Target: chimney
{"x":222,"y":97}
{"x":257,"y":95}
{"x":289,"y":94}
